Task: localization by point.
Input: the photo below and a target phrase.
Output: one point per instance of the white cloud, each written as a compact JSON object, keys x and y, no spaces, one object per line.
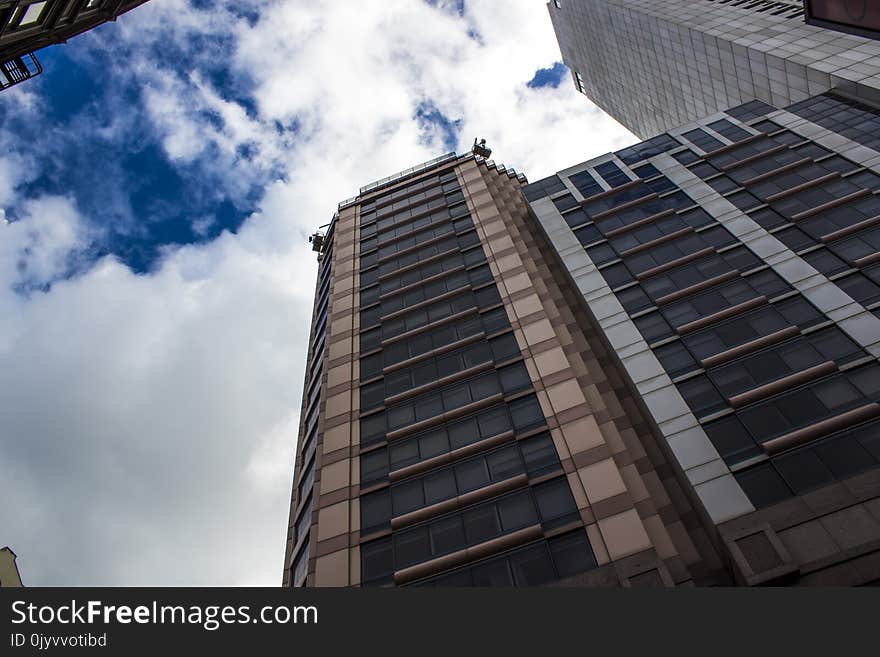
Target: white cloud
{"x":149,"y":421}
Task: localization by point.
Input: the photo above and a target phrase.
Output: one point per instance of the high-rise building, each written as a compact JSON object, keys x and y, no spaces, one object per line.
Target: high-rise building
{"x":462,"y":421}
{"x":657,"y":367}
{"x":732,"y":267}
{"x":657,"y":64}
{"x":28,"y":25}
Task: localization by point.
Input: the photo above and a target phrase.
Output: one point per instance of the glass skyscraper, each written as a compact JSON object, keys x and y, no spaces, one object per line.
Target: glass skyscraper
{"x":656,"y":64}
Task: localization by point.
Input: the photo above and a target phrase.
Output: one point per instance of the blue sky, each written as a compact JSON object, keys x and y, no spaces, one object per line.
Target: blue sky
{"x":157,"y":185}
{"x":125,"y":183}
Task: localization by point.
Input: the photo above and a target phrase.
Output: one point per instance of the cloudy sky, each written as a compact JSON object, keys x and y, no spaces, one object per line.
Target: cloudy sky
{"x":157,"y":184}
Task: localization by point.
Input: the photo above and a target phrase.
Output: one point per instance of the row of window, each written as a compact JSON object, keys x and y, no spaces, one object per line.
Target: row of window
{"x":813,"y":229}
{"x":304,"y":520}
{"x":729,"y":130}
{"x":738,"y":437}
{"x":730,"y":159}
{"x":830,"y":220}
{"x":588,"y":186}
{"x":550,"y":503}
{"x":507,"y":380}
{"x":646,"y":149}
{"x":585,"y":184}
{"x":545,"y":187}
{"x":301,"y":566}
{"x":813,"y":171}
{"x":402,"y":210}
{"x":686,"y":354}
{"x":808,"y":199}
{"x":843,"y":116}
{"x":670,"y":318}
{"x":612,"y":174}
{"x":702,"y":139}
{"x":395,"y":227}
{"x":456,"y":280}
{"x":652,"y":206}
{"x":534,"y":457}
{"x":535,"y":565}
{"x":613,"y":199}
{"x":370,"y":273}
{"x":654,"y":289}
{"x":750,"y":110}
{"x":417,"y":274}
{"x":498,"y":349}
{"x":762,"y":283}
{"x":814,"y":466}
{"x":422,"y":185}
{"x":709,"y":392}
{"x":488,"y":322}
{"x":852,"y":247}
{"x":394,"y":244}
{"x":482,"y":298}
{"x":520,"y":415}
{"x":715,"y":237}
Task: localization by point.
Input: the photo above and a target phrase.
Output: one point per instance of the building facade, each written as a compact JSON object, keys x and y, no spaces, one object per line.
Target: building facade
{"x":462,"y":423}
{"x":657,"y":64}
{"x":733,"y":266}
{"x":9,"y":575}
{"x":28,"y":25}
{"x":657,"y":367}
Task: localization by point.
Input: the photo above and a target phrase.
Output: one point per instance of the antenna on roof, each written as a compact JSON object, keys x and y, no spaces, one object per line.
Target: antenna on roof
{"x":481,"y":149}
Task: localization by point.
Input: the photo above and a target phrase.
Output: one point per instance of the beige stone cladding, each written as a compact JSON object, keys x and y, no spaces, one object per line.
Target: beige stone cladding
{"x":637,"y":518}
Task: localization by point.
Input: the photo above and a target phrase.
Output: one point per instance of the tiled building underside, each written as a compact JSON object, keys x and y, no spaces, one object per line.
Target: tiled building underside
{"x":657,"y":64}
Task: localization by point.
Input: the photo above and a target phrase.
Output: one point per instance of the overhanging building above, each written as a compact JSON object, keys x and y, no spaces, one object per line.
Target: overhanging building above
{"x":28,"y":25}
{"x":657,"y":64}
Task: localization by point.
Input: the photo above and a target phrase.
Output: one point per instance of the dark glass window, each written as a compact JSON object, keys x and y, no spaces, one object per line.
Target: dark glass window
{"x":375,"y":510}
{"x":556,"y":504}
{"x":572,"y":553}
{"x":703,"y":140}
{"x":653,"y":327}
{"x":539,"y":454}
{"x":763,"y":485}
{"x":526,"y":413}
{"x":795,"y":238}
{"x":675,"y":358}
{"x":860,"y":288}
{"x":646,"y":171}
{"x":585,"y":184}
{"x":612,"y":174}
{"x":686,"y":156}
{"x":566,"y":202}
{"x":701,"y":395}
{"x":731,"y":439}
{"x":377,"y":560}
{"x":532,"y":566}
{"x":730,"y":130}
{"x":825,"y":261}
{"x":374,"y":467}
{"x":750,"y":110}
{"x":541,"y":188}
{"x":649,"y":148}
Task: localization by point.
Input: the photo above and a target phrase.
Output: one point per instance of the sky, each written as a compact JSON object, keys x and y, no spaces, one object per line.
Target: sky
{"x":157,"y":186}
